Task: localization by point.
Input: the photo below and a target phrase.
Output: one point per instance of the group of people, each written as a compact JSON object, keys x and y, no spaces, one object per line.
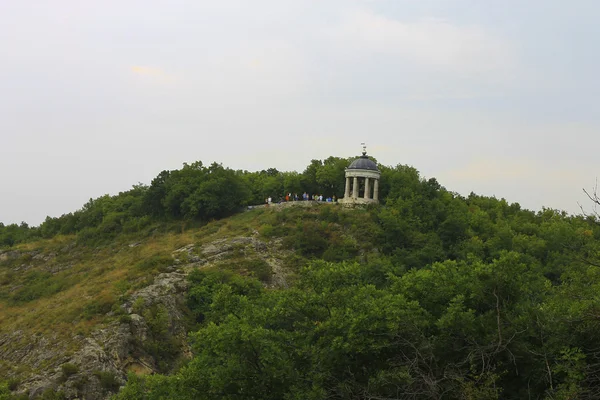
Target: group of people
{"x":305,"y":197}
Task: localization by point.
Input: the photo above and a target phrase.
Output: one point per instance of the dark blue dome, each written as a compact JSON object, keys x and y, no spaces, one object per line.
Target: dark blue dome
{"x":363,"y":162}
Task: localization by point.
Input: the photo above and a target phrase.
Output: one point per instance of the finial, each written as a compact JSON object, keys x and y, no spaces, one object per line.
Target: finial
{"x":364,"y":146}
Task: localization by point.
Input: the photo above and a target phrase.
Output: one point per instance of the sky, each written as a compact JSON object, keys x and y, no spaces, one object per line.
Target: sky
{"x":501,"y":98}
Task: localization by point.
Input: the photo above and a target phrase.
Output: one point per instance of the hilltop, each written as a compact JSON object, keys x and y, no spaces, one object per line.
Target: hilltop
{"x":181,"y":292}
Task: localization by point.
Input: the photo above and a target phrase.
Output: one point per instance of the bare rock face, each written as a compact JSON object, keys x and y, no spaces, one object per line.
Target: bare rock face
{"x":165,"y":290}
{"x":221,"y":249}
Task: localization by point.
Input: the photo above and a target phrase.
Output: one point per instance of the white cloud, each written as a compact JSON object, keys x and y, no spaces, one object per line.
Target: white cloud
{"x":429,"y":42}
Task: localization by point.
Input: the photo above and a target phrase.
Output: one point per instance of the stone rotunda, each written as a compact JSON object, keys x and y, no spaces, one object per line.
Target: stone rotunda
{"x":362,"y":181}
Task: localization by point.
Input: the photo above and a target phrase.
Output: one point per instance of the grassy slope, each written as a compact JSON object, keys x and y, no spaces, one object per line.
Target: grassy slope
{"x":73,"y":289}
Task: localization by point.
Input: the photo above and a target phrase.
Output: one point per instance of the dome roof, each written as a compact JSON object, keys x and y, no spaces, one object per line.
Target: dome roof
{"x":363,"y":162}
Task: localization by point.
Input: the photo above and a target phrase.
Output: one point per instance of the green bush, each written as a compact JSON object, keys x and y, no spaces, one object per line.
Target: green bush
{"x":294,"y":262}
{"x":7,"y":278}
{"x":97,"y":307}
{"x":51,"y":394}
{"x":69,"y":369}
{"x":108,"y":380}
{"x":258,"y":268}
{"x":38,"y":284}
{"x":124,"y":319}
{"x":138,"y":305}
{"x":205,"y":284}
{"x":81,"y":382}
{"x":309,"y":238}
{"x":340,"y":251}
{"x":160,"y":344}
{"x":13,"y":383}
{"x":266,"y":231}
{"x":88,"y":235}
{"x":329,"y":214}
{"x":156,"y":262}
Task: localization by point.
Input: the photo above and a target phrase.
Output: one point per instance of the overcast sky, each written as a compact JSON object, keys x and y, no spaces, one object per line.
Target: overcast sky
{"x":497,"y":97}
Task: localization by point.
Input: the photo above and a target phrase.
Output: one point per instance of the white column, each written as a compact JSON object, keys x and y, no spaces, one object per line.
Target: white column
{"x":355,"y":188}
{"x":376,"y":190}
{"x":347,"y":190}
{"x":367,"y":191}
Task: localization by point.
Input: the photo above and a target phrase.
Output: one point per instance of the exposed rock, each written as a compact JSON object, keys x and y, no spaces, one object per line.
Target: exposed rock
{"x":23,"y":267}
{"x":9,"y":255}
{"x":43,"y":257}
{"x":224,"y":247}
{"x":68,"y":247}
{"x":56,"y":268}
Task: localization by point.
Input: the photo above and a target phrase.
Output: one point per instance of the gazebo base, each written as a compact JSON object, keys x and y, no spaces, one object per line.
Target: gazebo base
{"x":358,"y":200}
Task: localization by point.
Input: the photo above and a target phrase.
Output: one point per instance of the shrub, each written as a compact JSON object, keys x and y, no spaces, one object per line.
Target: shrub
{"x":80,"y":382}
{"x":39,"y":284}
{"x":294,"y":262}
{"x":97,"y":307}
{"x":138,"y":305}
{"x":255,"y":267}
{"x":157,"y":262}
{"x":108,"y":380}
{"x":124,"y":319}
{"x":4,"y":391}
{"x":7,"y":278}
{"x":341,"y":250}
{"x":88,"y":235}
{"x":161,"y":344}
{"x":51,"y":394}
{"x":259,"y":268}
{"x":13,"y":383}
{"x":206,"y":283}
{"x":329,"y":214}
{"x":309,"y":238}
{"x":266,"y":231}
{"x":69,"y":369}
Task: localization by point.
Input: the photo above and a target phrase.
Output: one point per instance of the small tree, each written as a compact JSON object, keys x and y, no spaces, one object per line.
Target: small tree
{"x":595,"y":198}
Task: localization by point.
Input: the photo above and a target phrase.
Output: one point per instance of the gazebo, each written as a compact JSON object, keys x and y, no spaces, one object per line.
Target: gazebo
{"x":362,"y":175}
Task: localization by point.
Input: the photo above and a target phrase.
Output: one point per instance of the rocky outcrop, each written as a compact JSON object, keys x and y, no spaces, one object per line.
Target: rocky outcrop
{"x":223,"y":249}
{"x":103,"y":359}
{"x":99,"y":363}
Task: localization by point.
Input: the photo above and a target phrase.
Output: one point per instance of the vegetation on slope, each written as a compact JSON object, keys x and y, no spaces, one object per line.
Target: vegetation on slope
{"x":489,"y":302}
{"x":431,"y":295}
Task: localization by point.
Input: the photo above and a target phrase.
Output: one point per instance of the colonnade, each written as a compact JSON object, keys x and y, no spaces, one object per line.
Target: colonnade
{"x":353,"y":184}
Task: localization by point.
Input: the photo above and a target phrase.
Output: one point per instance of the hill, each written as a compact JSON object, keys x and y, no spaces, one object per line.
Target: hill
{"x":428,"y":295}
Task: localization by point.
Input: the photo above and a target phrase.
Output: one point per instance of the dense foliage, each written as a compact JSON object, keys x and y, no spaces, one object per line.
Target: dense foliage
{"x":441,"y":297}
{"x":193,"y":193}
{"x":456,"y":329}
